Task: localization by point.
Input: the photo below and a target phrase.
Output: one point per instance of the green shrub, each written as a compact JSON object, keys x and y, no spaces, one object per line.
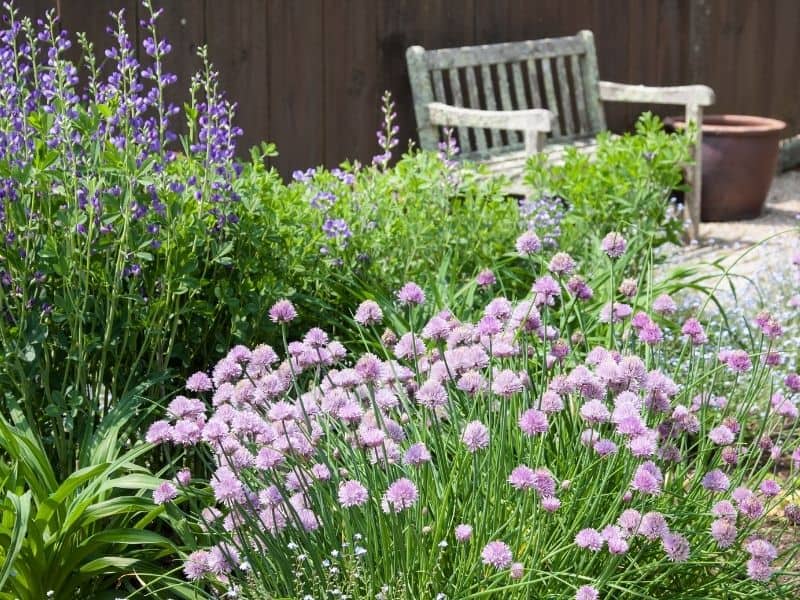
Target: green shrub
{"x":79,"y":536}
{"x":625,"y":186}
{"x":123,"y":259}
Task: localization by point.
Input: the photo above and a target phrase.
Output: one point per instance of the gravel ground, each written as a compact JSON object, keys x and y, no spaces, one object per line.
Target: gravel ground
{"x":758,"y":252}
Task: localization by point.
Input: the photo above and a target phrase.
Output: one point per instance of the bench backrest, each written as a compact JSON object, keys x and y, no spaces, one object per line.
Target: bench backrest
{"x":559,"y":74}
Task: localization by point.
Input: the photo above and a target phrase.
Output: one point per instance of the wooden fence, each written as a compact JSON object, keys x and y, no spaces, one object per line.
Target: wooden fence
{"x":308,"y":74}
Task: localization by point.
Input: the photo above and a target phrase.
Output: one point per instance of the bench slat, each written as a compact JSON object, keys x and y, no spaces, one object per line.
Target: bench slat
{"x":566,"y":97}
{"x":552,"y":103}
{"x":458,"y":100}
{"x":519,"y":88}
{"x":580,"y":102}
{"x":438,"y":86}
{"x":505,"y":98}
{"x":533,"y":80}
{"x":491,"y":103}
{"x":473,"y":56}
{"x":472,"y":88}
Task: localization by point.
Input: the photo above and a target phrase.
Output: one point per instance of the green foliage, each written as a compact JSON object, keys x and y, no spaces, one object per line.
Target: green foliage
{"x":421,"y":220}
{"x":75,"y":537}
{"x":625,"y":186}
{"x":306,"y":540}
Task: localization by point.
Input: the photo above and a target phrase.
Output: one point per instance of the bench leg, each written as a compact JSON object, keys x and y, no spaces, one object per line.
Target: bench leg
{"x":695,"y":174}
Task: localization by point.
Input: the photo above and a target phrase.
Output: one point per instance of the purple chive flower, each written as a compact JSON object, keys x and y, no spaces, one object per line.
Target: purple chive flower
{"x":758,"y":570}
{"x":676,"y":547}
{"x":579,"y":288}
{"x":737,"y":361}
{"x":615,"y":539}
{"x":184,"y":477}
{"x":594,"y":411}
{"x":196,"y":565}
{"x":164,"y":493}
{"x":497,"y":554}
{"x":614,"y":312}
{"x":528,"y":243}
{"x":665,"y":305}
{"x":724,"y":532}
{"x":651,"y":334}
{"x":716,"y":481}
{"x":199,"y":382}
{"x":159,"y":432}
{"x":604,"y":447}
{"x":628,"y":287}
{"x":614,"y":245}
{"x":400,"y":495}
{"x":551,"y":503}
{"x":724,"y":510}
{"x":409,"y":346}
{"x":463,"y":532}
{"x":485,"y":279}
{"x":432,"y":394}
{"x":545,"y":290}
{"x":507,"y":383}
{"x":352,"y":493}
{"x":587,"y":592}
{"x":751,"y":507}
{"x":411,"y":294}
{"x":653,"y":526}
{"x":760,"y":549}
{"x":647,"y":479}
{"x":543,"y":483}
{"x":562,"y":264}
{"x":416,"y":455}
{"x":517,"y":570}
{"x":693,"y":330}
{"x":722,"y":435}
{"x":630,"y":520}
{"x":533,"y":422}
{"x":590,"y":539}
{"x":770,"y":488}
{"x":475,"y":436}
{"x":522,"y":478}
{"x":282,"y":311}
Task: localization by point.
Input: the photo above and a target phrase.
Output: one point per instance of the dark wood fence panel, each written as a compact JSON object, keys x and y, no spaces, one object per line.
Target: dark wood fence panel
{"x":404,"y":23}
{"x":239,"y":46}
{"x":308,"y":74}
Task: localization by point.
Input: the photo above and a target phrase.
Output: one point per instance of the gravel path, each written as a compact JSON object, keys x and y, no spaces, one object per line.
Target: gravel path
{"x":759,"y":251}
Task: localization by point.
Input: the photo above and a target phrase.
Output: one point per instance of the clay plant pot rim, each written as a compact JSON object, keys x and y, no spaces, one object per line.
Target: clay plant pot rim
{"x":740,"y":125}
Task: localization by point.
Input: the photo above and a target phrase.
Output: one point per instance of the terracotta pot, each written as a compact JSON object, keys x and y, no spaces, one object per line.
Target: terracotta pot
{"x":740,"y":153}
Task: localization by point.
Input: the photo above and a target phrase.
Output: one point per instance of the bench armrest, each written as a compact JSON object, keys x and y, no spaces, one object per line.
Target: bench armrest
{"x":683,"y":95}
{"x":534,"y":122}
{"x":535,"y":119}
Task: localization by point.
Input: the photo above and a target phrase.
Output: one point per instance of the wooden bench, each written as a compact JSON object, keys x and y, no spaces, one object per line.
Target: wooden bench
{"x":508,"y":101}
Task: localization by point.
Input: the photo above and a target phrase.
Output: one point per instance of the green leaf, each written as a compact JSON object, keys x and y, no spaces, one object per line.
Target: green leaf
{"x":21,"y":509}
{"x":108,"y":564}
{"x":128,"y":536}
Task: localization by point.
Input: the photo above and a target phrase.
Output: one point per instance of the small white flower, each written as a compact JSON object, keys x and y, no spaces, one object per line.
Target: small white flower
{"x":359,"y":551}
{"x":357,"y":537}
{"x":326,"y":563}
{"x":334,"y":553}
{"x":443,"y":544}
{"x":245,"y":566}
{"x":302,"y":557}
{"x":292,"y":546}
